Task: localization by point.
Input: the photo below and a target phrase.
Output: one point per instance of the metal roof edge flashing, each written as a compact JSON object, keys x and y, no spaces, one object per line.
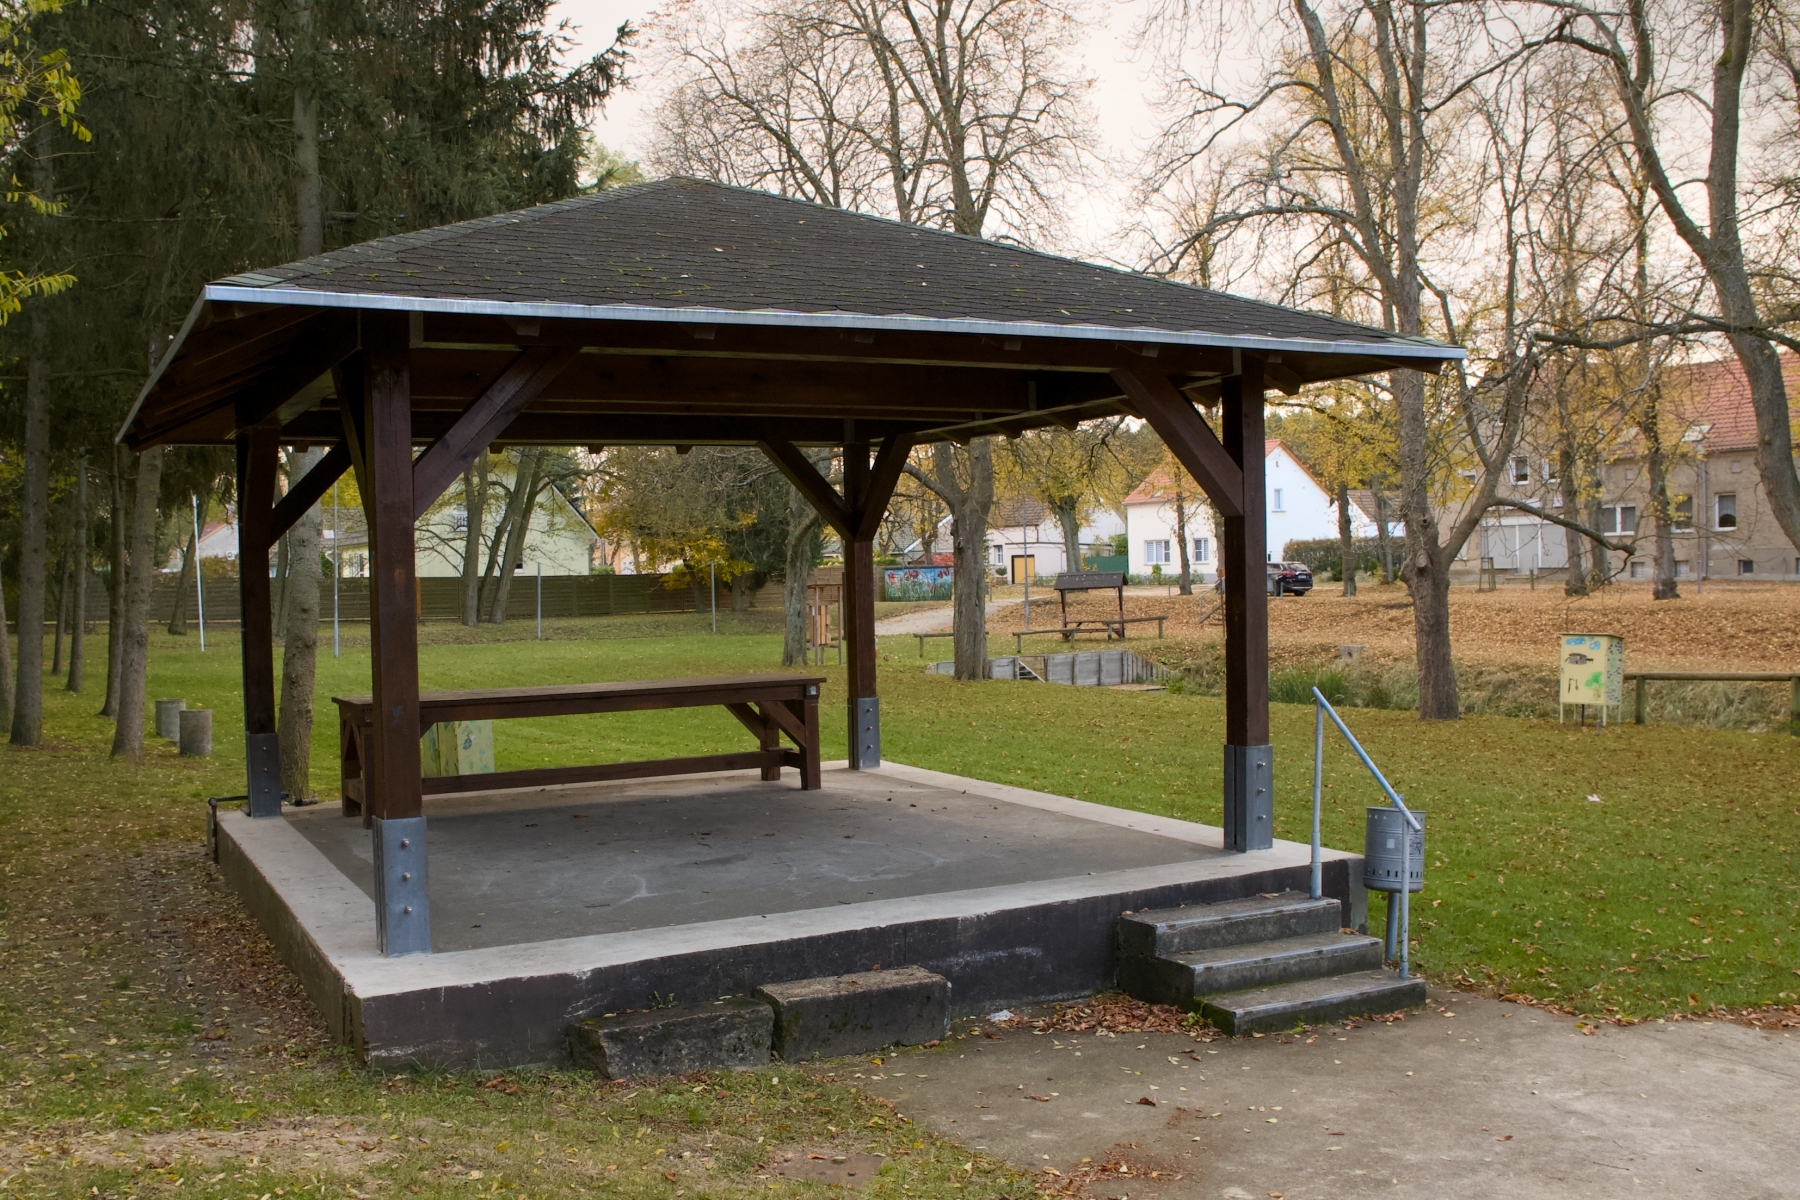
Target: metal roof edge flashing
{"x":1400,"y":347}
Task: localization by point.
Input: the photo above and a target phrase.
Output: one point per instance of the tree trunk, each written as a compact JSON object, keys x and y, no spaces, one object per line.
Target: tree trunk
{"x":1426,"y":571}
{"x":1575,"y":572}
{"x":475,"y":515}
{"x":1384,"y":541}
{"x":969,"y":503}
{"x":1186,"y":587}
{"x":1663,"y":585}
{"x":134,"y":659}
{"x":6,"y":666}
{"x":28,"y":702}
{"x":1346,"y":543}
{"x":495,"y":546}
{"x":189,"y":560}
{"x":300,"y":641}
{"x":81,"y":552}
{"x":115,"y":578}
{"x":1068,"y":519}
{"x":62,"y":614}
{"x":278,"y":613}
{"x":525,"y":489}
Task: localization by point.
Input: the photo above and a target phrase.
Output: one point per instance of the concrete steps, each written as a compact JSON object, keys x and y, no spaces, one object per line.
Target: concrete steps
{"x":1259,"y":964}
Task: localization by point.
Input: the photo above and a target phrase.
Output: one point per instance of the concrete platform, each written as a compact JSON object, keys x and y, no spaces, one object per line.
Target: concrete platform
{"x":552,"y":904}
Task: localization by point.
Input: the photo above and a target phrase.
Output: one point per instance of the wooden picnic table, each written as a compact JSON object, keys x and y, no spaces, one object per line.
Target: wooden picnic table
{"x":1112,"y":627}
{"x":769,"y":706}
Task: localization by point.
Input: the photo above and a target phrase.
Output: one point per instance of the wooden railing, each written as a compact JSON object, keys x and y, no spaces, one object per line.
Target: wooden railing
{"x":1645,"y":677}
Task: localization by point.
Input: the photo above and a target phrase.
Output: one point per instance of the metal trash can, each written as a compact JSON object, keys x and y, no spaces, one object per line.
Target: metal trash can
{"x":1381,"y":851}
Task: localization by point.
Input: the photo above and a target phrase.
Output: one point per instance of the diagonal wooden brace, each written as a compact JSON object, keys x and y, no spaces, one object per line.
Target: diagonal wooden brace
{"x":815,"y":487}
{"x":486,"y":419}
{"x":1187,"y":435}
{"x":309,"y":491}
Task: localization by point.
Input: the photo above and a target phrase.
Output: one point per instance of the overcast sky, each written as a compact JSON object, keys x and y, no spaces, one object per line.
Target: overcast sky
{"x":1123,"y":118}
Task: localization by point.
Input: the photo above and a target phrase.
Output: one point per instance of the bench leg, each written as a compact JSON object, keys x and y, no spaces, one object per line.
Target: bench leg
{"x":771,"y":744}
{"x":350,"y":769}
{"x":808,"y":713}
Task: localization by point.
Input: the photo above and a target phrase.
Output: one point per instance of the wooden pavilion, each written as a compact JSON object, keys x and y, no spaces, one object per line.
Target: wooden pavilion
{"x":682,"y":312}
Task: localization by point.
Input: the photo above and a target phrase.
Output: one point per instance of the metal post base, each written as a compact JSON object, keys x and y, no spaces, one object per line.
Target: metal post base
{"x":1249,"y":798}
{"x":262,"y":753}
{"x":402,"y":911}
{"x":865,"y":738}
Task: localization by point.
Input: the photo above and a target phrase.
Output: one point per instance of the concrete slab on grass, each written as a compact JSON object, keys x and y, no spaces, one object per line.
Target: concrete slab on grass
{"x":554,"y":904}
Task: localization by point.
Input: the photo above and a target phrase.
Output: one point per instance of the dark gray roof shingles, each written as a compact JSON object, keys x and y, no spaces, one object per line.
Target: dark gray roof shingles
{"x":685,"y":243}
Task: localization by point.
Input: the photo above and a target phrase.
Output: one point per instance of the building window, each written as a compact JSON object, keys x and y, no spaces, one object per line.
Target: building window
{"x":998,"y":554}
{"x":1521,"y":470}
{"x":1156,"y":553}
{"x":1202,"y":549}
{"x":1681,"y":515}
{"x":1725,"y":511}
{"x":1681,"y":569}
{"x":1639,"y":568}
{"x":1619,"y":519}
{"x":1277,"y":504}
{"x":1746,"y":566}
{"x":1549,"y":471}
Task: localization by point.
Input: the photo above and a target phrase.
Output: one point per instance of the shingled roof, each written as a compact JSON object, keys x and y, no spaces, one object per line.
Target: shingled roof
{"x":702,"y":312}
{"x":692,"y":249}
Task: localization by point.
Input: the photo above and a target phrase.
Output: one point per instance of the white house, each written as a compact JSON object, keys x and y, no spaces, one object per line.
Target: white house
{"x":1299,"y":509}
{"x":1024,"y":535}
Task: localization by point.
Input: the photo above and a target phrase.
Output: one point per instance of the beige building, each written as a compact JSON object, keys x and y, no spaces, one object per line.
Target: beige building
{"x":1723,"y":525}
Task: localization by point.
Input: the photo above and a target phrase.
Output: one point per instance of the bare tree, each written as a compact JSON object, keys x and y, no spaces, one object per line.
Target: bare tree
{"x":963,"y":478}
{"x":475,"y":487}
{"x":1661,"y":62}
{"x":963,"y":114}
{"x":1359,"y":119}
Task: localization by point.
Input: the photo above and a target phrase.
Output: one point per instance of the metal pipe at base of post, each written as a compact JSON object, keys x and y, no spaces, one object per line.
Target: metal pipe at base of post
{"x":402,"y":909}
{"x":865,"y":744}
{"x":1249,"y":798}
{"x":262,"y":752}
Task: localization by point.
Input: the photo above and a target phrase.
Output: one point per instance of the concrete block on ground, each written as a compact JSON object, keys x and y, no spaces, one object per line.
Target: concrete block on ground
{"x":853,"y":1014}
{"x":196,"y":732}
{"x":168,"y":718}
{"x":719,"y":1035}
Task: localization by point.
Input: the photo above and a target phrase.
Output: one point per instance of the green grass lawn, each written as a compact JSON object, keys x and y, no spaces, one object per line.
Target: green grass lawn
{"x":1675,"y":890}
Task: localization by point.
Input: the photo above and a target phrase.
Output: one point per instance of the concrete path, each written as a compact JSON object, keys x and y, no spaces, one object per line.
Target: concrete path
{"x":932,"y":620}
{"x":1470,"y":1098}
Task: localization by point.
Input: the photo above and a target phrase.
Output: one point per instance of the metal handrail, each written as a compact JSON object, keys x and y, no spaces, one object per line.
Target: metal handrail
{"x":1322,"y":709}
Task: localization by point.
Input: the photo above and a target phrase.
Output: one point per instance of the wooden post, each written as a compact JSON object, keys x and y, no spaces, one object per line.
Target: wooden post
{"x":1643,"y":707}
{"x":257,"y":453}
{"x":859,"y":612}
{"x":1249,"y":763}
{"x":391,"y":780}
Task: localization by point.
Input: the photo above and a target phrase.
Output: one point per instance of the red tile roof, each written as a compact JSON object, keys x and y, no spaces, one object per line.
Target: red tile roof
{"x":1716,"y":395}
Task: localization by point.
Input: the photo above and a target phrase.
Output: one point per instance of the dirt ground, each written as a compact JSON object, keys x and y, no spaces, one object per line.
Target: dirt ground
{"x":1730,"y":627}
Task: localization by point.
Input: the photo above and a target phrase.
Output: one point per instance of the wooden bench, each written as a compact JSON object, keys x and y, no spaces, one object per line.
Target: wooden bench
{"x":768,"y":705}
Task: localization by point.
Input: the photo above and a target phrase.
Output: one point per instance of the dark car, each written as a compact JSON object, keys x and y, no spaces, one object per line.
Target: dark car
{"x":1289,"y":579}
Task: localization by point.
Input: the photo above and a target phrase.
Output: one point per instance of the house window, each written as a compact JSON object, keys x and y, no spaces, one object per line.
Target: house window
{"x":1277,"y":505}
{"x":1746,"y":566}
{"x":1639,"y":568}
{"x":1202,"y":549}
{"x":1682,"y":570}
{"x":1521,"y":470}
{"x":1156,"y":553}
{"x":459,"y":520}
{"x":1725,"y":511}
{"x":997,"y":554}
{"x":1619,"y":519}
{"x":1549,"y":471}
{"x":1682,"y":512}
